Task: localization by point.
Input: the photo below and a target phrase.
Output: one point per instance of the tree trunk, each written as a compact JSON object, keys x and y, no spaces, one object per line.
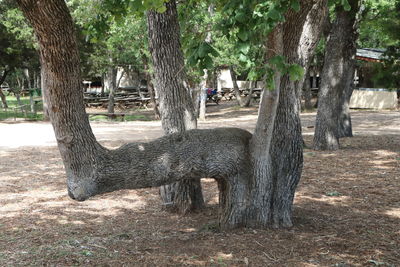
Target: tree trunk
{"x":176,"y":106}
{"x":205,"y":79}
{"x":333,"y":117}
{"x":2,"y":96}
{"x":46,"y":115}
{"x":30,"y":89}
{"x":152,"y":94}
{"x":307,"y":92}
{"x":243,"y":101}
{"x":111,"y":84}
{"x":222,"y":153}
{"x":60,"y":61}
{"x":150,"y":87}
{"x":203,"y":97}
{"x":276,"y":146}
{"x":345,"y":127}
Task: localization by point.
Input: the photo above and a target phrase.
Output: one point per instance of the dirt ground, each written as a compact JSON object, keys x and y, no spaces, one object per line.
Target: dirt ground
{"x":346,"y":212}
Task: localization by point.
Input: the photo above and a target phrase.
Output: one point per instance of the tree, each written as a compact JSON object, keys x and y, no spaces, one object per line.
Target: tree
{"x":257,"y":174}
{"x":176,"y":106}
{"x":380,"y":28}
{"x":17,"y":49}
{"x":333,"y":117}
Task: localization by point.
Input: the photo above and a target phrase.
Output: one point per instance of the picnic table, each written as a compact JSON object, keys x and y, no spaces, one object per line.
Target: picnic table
{"x":122,"y":101}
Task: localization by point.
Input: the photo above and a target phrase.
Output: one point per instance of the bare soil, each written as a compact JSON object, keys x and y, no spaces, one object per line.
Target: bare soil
{"x":346,"y":212}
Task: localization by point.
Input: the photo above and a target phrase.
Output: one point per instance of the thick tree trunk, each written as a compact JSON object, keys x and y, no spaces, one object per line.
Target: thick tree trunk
{"x":223,"y":153}
{"x":2,"y":96}
{"x":176,"y":106}
{"x":301,"y":34}
{"x":62,"y":82}
{"x":276,"y":146}
{"x":333,"y":117}
{"x":345,"y":128}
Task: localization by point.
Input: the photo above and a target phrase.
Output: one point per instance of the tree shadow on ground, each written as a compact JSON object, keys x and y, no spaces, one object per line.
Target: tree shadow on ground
{"x":347,"y":213}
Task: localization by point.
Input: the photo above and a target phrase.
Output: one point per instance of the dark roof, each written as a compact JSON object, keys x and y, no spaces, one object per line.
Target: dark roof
{"x":370,"y":54}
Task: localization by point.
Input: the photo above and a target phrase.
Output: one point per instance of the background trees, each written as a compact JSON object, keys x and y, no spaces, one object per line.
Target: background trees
{"x":19,"y":65}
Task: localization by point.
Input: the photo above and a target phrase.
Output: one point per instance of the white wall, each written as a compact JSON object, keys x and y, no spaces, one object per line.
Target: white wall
{"x":224,"y":80}
{"x":373,"y":99}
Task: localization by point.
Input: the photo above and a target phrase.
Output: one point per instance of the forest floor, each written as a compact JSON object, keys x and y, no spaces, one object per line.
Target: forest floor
{"x":346,"y":211}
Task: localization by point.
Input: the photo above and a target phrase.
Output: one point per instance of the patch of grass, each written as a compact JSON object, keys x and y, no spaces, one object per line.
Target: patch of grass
{"x":138,"y":117}
{"x":333,"y":194}
{"x":133,"y":117}
{"x":12,"y":112}
{"x":98,"y":118}
{"x":237,"y":107}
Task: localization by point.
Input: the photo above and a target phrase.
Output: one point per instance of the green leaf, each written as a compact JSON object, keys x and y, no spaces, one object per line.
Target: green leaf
{"x":241,"y":17}
{"x":295,"y":5}
{"x":202,"y":52}
{"x":296,"y":72}
{"x":276,"y":60}
{"x":161,"y":9}
{"x":274,"y":14}
{"x":243,"y":35}
{"x":242,"y":58}
{"x":346,"y":5}
{"x":208,"y":63}
{"x":244,"y":48}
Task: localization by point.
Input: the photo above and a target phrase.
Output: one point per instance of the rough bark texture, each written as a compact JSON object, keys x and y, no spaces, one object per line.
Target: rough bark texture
{"x":176,"y":107}
{"x":61,"y":78}
{"x":111,"y":85}
{"x":2,"y":96}
{"x":253,"y":192}
{"x":266,"y":198}
{"x":150,"y":87}
{"x":307,"y":92}
{"x":333,"y":117}
{"x":301,"y":34}
{"x":46,"y":116}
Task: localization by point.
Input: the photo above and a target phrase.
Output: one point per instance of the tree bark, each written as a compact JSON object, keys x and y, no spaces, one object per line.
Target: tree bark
{"x":176,"y":106}
{"x":2,"y":96}
{"x":307,"y":92}
{"x":152,"y":94}
{"x":243,"y":101}
{"x":223,"y":153}
{"x":301,"y":33}
{"x":150,"y":87}
{"x":111,"y":84}
{"x":46,"y":116}
{"x":203,"y":97}
{"x":266,"y":197}
{"x":205,"y":79}
{"x":60,"y":61}
{"x":29,"y":82}
{"x":333,"y":117}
